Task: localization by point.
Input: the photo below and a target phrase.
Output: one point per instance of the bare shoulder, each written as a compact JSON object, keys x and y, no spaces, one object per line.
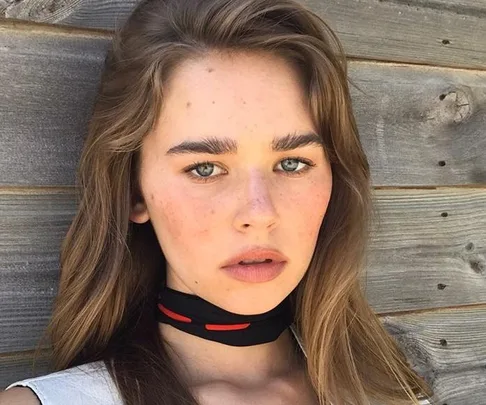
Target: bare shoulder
{"x":18,"y":396}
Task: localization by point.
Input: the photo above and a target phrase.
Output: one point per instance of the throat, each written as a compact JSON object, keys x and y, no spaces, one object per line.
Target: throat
{"x":203,"y":362}
{"x":291,"y":388}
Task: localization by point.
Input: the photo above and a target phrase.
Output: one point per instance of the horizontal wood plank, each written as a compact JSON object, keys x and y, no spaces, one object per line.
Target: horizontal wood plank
{"x":421,"y":126}
{"x":102,"y":14}
{"x":48,"y":89}
{"x":443,"y":341}
{"x":461,"y":388}
{"x":419,"y":259}
{"x":417,"y":31}
{"x":19,"y":366}
{"x":428,"y":249}
{"x":33,"y":226}
{"x":434,"y":32}
{"x":418,"y":125}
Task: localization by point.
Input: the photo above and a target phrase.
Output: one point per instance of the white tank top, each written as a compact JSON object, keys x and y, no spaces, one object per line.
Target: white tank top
{"x":88,"y":384}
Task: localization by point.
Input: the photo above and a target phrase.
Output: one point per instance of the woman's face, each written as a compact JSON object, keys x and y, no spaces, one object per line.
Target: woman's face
{"x":250,"y":196}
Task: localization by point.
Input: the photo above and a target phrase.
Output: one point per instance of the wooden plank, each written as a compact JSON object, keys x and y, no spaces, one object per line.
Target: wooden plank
{"x":419,"y":259}
{"x":465,"y":7}
{"x":421,"y":126}
{"x":442,"y":341}
{"x":427,"y":249}
{"x":100,"y":14}
{"x":48,"y":89}
{"x":418,"y":125}
{"x":19,"y":366}
{"x":397,"y":30}
{"x":462,"y":388}
{"x":447,"y":348}
{"x":33,"y":225}
{"x":416,"y":31}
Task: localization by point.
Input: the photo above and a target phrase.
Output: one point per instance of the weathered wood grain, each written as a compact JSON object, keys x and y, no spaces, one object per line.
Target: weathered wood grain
{"x":48,"y":88}
{"x":19,"y":366}
{"x":102,"y":14}
{"x":419,"y":259}
{"x":444,"y":32}
{"x":32,"y":228}
{"x":423,"y":31}
{"x":428,"y":249}
{"x":419,"y":126}
{"x":443,"y":341}
{"x":461,"y":388}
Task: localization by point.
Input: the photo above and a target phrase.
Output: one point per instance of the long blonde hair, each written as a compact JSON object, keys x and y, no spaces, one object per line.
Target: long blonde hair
{"x":111,"y":267}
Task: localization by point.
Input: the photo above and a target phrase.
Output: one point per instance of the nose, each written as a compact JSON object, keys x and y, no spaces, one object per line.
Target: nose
{"x":256,"y":208}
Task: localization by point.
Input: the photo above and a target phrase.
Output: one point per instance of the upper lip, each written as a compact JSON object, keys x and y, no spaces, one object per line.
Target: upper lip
{"x":256,"y":253}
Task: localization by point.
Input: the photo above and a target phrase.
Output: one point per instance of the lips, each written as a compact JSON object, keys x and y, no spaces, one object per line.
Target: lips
{"x":256,"y":254}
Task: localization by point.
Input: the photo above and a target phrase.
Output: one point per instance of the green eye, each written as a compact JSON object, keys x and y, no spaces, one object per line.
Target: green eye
{"x":202,"y":171}
{"x":294,"y":163}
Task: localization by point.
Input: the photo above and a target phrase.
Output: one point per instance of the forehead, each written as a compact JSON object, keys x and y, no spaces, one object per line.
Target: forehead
{"x":231,"y":95}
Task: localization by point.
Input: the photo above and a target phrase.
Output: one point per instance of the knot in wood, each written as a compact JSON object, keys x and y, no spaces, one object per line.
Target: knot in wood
{"x":455,"y":105}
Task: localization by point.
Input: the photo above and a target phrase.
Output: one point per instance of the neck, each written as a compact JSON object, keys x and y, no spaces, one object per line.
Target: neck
{"x":203,"y":361}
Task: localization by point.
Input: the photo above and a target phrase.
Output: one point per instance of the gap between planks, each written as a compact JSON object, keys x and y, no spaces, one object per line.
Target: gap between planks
{"x":481,"y":305}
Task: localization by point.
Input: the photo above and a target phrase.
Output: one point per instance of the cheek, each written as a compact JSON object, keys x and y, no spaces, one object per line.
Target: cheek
{"x":308,"y":207}
{"x":186,"y":220}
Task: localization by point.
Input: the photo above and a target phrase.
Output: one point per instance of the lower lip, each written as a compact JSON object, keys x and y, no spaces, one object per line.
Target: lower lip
{"x":255,"y":273}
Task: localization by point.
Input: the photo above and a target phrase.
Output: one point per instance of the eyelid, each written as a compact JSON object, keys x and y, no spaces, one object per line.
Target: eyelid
{"x":187,"y":170}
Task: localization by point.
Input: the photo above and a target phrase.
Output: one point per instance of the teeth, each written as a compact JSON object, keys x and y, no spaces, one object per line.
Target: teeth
{"x":256,"y":261}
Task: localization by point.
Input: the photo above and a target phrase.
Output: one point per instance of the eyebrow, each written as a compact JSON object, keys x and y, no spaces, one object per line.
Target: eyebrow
{"x":220,"y":146}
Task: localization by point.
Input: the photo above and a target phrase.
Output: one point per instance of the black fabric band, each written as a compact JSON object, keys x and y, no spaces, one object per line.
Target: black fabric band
{"x":192,"y":314}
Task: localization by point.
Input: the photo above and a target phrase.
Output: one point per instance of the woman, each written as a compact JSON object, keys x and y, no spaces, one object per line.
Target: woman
{"x":223,"y":217}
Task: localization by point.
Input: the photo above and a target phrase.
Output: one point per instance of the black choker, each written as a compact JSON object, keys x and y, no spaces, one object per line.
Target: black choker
{"x":194,"y":315}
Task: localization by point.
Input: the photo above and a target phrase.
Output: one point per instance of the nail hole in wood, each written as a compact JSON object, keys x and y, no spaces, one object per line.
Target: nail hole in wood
{"x":442,"y":163}
{"x":446,"y":41}
{"x":441,"y":286}
{"x":470,"y":246}
{"x":442,"y":96}
{"x":443,"y":342}
{"x":444,"y":214}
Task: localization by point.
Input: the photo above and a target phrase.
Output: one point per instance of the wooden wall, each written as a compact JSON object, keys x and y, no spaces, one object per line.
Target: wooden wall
{"x":421,"y":111}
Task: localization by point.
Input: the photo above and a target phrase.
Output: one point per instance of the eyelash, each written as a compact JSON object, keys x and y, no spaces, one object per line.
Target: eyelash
{"x":309,"y":164}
